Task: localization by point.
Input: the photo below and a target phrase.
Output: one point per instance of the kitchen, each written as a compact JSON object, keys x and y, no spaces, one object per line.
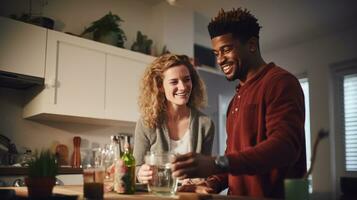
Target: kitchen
{"x":310,"y":56}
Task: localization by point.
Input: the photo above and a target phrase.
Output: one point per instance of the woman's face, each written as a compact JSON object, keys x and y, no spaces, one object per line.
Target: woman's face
{"x":177,"y":85}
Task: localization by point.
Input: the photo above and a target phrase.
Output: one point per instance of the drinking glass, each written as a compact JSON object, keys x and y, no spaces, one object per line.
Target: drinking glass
{"x":105,"y":157}
{"x":162,"y":182}
{"x":93,"y":182}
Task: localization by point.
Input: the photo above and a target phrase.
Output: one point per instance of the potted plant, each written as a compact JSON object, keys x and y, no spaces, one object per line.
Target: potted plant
{"x":107,"y":29}
{"x":42,"y":171}
{"x":36,"y":19}
{"x":142,"y":44}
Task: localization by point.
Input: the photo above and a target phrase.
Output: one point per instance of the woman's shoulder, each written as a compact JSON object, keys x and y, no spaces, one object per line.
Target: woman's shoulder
{"x":201,"y":117}
{"x":141,"y":125}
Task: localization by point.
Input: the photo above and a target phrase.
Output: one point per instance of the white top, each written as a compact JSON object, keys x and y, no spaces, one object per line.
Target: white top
{"x":182,"y":145}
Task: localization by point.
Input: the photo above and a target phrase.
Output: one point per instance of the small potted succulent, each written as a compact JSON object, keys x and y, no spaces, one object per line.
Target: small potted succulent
{"x":107,"y":29}
{"x":42,"y":171}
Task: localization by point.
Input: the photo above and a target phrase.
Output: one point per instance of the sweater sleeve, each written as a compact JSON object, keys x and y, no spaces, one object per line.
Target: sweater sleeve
{"x":208,"y":140}
{"x":285,"y":115}
{"x":141,"y":144}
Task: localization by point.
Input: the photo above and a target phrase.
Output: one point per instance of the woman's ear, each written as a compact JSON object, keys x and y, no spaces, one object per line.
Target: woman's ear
{"x":160,"y":87}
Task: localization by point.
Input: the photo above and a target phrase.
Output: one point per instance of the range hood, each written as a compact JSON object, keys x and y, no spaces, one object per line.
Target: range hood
{"x":19,"y":81}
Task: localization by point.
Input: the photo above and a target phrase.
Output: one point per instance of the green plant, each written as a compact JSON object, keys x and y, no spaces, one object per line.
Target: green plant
{"x":43,"y":165}
{"x":109,"y":23}
{"x":142,"y":43}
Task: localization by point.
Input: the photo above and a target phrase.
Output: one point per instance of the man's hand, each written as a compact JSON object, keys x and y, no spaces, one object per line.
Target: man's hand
{"x":193,"y":165}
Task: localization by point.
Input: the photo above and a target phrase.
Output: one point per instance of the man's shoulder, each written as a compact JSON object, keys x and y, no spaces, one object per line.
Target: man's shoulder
{"x":277,"y":73}
{"x":276,"y":70}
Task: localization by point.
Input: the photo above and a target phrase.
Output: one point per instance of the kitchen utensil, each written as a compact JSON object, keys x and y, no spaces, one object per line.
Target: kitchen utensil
{"x":62,"y":154}
{"x":76,"y":156}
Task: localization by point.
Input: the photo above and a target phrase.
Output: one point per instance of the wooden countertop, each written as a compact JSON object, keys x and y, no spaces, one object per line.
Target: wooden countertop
{"x":78,"y":190}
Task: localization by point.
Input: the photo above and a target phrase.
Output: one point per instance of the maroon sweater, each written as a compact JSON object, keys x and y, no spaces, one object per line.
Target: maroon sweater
{"x":265,"y":135}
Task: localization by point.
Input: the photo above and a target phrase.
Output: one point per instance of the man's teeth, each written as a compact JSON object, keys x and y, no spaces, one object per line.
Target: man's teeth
{"x":226,"y":68}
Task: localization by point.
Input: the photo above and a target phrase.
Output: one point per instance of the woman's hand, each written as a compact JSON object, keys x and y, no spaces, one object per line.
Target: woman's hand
{"x":197,"y":186}
{"x":144,"y":174}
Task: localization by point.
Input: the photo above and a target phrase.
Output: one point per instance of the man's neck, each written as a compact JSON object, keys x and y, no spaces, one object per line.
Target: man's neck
{"x":254,"y":68}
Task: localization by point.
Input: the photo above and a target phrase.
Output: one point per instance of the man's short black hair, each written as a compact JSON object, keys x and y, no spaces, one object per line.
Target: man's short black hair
{"x":239,"y":22}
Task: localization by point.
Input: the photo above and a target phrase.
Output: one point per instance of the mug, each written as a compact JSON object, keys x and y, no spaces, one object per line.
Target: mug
{"x":296,"y":189}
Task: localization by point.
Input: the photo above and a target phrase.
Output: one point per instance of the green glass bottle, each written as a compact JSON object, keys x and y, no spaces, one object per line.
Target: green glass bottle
{"x":126,"y":170}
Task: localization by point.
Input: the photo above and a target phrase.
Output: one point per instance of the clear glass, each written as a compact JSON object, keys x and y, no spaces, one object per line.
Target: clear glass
{"x":162,"y":183}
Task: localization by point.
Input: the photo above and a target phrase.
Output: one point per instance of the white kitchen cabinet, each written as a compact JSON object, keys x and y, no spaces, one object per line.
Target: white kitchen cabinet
{"x":122,"y":87}
{"x":22,"y":48}
{"x":74,"y":79}
{"x":87,"y":81}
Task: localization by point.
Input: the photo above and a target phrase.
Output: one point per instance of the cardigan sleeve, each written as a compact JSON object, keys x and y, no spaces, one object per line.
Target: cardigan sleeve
{"x":141,"y":144}
{"x":208,"y":139}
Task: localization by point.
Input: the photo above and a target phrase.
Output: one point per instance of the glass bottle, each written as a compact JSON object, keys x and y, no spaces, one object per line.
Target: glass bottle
{"x":124,"y":182}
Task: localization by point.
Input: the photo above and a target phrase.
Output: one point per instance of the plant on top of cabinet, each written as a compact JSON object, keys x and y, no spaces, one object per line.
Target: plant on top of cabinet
{"x":35,"y":18}
{"x":107,"y":30}
{"x":142,"y":44}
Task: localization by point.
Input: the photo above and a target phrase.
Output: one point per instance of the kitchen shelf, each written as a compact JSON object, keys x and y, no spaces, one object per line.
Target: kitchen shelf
{"x":10,"y":171}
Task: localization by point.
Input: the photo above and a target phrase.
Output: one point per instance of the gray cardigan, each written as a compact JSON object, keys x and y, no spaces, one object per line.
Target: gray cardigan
{"x":146,"y":139}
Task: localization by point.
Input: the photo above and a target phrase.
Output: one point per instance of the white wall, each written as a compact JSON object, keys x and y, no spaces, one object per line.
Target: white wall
{"x":45,"y":134}
{"x":74,"y":16}
{"x":315,"y":58}
{"x":174,"y":26}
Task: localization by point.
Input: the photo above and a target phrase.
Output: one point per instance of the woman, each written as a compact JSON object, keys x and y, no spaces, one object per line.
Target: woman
{"x":171,"y":94}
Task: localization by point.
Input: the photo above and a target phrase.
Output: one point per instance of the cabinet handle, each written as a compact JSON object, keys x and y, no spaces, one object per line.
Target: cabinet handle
{"x":51,"y":83}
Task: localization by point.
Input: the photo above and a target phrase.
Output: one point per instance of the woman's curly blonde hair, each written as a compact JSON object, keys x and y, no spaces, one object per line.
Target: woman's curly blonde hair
{"x":152,"y":101}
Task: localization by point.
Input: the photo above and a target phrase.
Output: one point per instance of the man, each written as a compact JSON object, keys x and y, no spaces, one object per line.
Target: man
{"x":265,"y":118}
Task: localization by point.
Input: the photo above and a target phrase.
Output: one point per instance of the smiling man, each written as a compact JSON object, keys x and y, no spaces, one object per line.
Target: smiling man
{"x":265,"y":118}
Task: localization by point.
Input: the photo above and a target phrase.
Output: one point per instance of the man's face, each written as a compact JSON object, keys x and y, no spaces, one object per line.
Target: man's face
{"x":230,"y":54}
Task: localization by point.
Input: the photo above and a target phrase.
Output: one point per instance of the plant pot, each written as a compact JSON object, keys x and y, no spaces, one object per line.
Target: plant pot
{"x":44,"y":22}
{"x":109,"y":38}
{"x":40,"y":187}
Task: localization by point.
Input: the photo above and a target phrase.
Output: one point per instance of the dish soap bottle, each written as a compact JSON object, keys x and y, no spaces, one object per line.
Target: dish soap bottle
{"x":124,"y":175}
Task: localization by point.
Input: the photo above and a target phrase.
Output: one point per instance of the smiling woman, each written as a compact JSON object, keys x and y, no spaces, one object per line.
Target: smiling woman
{"x":171,"y":94}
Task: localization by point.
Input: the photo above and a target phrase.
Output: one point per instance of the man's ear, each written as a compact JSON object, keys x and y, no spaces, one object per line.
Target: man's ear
{"x":253,"y":44}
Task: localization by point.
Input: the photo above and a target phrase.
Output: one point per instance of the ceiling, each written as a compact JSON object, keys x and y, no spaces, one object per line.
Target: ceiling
{"x":284,"y":23}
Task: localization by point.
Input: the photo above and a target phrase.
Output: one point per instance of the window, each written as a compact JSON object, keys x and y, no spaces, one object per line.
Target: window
{"x":350,"y":120}
{"x":305,"y":88}
{"x":344,"y":117}
{"x":204,"y":55}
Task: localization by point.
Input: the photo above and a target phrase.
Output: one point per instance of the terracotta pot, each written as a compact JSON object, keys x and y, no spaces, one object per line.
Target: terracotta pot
{"x":40,"y":187}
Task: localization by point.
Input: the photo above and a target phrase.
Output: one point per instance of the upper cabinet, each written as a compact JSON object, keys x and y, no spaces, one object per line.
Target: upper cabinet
{"x":87,"y":81}
{"x":122,"y":86}
{"x":22,"y":48}
{"x":75,"y":76}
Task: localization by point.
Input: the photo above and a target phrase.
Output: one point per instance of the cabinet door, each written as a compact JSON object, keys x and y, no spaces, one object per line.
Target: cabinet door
{"x":122,"y":87}
{"x":78,"y":74}
{"x":22,"y":48}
